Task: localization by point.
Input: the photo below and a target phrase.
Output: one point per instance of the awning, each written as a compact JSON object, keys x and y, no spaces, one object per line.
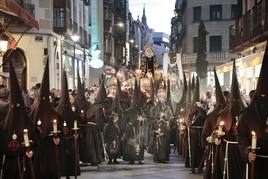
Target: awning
{"x":11,"y":7}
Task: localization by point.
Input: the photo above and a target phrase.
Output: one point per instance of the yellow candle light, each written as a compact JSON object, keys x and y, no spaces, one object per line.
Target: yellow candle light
{"x":75,"y":124}
{"x":73,"y":109}
{"x":55,"y":128}
{"x":253,"y":140}
{"x":26,"y":138}
{"x":39,"y":122}
{"x":220,"y":127}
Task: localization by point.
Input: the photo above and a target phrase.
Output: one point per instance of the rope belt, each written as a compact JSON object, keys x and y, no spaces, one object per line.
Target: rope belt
{"x":262,"y":156}
{"x":92,"y":123}
{"x":226,"y":163}
{"x":196,"y":127}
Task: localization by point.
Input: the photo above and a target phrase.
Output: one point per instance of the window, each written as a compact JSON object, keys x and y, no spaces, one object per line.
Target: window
{"x":197,"y":13}
{"x":59,"y":17}
{"x":195,"y":42}
{"x":234,"y":11}
{"x":215,"y":43}
{"x":215,"y":12}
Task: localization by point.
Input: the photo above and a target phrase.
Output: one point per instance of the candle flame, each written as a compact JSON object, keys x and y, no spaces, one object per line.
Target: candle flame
{"x":25,"y":130}
{"x":39,"y":122}
{"x":54,"y":121}
{"x":82,"y":111}
{"x":182,"y":109}
{"x":222,"y":123}
{"x":181,"y":120}
{"x":253,"y":133}
{"x":64,"y":124}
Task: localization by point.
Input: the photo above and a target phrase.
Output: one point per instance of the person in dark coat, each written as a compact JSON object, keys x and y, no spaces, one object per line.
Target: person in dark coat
{"x":161,"y":141}
{"x":133,"y":143}
{"x":197,"y":118}
{"x":80,"y":106}
{"x":112,"y":139}
{"x":43,"y":115}
{"x":209,"y":127}
{"x":229,"y":159}
{"x":255,"y":119}
{"x":69,"y":157}
{"x":18,"y":135}
{"x":94,"y":145}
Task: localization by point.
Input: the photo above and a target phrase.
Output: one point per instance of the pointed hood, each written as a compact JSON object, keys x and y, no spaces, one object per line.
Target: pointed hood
{"x":196,"y":95}
{"x":236,"y":103}
{"x":262,"y":86}
{"x":43,"y":113}
{"x":235,"y":106}
{"x":102,"y":95}
{"x":219,"y":95}
{"x":118,"y":94}
{"x":17,"y":118}
{"x":64,"y":107}
{"x":136,"y":94}
{"x":193,"y":83}
{"x":80,"y":102}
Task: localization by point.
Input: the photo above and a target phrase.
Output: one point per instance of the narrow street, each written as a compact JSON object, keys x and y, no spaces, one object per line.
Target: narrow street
{"x":174,"y":170}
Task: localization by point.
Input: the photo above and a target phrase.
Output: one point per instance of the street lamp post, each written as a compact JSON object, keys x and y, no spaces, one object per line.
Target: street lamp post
{"x":75,"y":38}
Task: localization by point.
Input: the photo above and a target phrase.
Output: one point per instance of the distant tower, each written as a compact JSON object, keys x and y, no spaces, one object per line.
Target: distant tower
{"x":144,"y":19}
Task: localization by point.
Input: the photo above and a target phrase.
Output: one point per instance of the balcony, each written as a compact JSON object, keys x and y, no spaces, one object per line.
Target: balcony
{"x":251,"y":28}
{"x":213,"y":58}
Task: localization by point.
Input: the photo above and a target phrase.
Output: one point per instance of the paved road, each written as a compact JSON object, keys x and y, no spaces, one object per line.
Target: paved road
{"x":174,"y":170}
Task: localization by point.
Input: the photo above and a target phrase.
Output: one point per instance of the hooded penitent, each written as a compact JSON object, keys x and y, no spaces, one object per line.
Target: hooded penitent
{"x":168,"y":99}
{"x":64,"y":108}
{"x":16,"y":120}
{"x":236,"y":103}
{"x":67,"y":149}
{"x":102,"y":95}
{"x":43,"y":114}
{"x":118,"y":95}
{"x":80,"y":102}
{"x":136,"y":94}
{"x":262,"y":86}
{"x":235,"y":106}
{"x":99,"y":100}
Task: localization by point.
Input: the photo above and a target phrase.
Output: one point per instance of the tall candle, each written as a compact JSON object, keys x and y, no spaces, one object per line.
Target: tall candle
{"x":55,"y":128}
{"x":220,"y":127}
{"x":253,"y":141}
{"x":26,"y":138}
{"x":75,"y":124}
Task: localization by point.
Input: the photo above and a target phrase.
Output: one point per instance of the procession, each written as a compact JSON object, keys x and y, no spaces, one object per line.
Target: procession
{"x":89,"y":91}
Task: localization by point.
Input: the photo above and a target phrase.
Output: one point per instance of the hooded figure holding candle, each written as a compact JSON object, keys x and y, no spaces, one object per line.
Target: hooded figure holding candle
{"x":44,"y":117}
{"x":69,"y":159}
{"x":255,"y":120}
{"x":18,"y":133}
{"x":228,"y":160}
{"x":81,"y":105}
{"x":210,"y":125}
{"x":94,"y":148}
{"x":197,"y":118}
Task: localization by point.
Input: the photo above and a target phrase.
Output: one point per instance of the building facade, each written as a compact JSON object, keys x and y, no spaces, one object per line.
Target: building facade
{"x":248,"y":38}
{"x":217,"y":16}
{"x":58,"y":21}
